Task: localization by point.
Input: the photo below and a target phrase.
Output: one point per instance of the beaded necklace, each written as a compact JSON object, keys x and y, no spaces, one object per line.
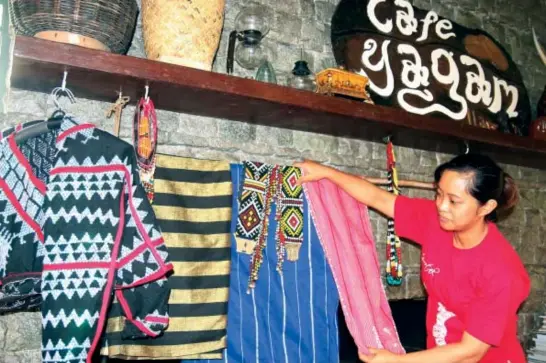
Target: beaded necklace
{"x":394,"y":250}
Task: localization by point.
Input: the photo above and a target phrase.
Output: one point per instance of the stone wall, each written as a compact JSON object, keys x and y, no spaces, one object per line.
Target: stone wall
{"x":305,"y":24}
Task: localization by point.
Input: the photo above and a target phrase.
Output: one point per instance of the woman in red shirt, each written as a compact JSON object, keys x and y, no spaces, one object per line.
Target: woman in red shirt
{"x":474,"y":278}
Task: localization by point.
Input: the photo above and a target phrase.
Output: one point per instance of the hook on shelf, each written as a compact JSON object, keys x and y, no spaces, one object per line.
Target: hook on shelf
{"x":63,"y":85}
{"x":146,"y":92}
{"x":58,"y":91}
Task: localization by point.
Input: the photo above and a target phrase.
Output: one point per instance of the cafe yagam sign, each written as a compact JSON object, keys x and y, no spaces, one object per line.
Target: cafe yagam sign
{"x":427,"y":64}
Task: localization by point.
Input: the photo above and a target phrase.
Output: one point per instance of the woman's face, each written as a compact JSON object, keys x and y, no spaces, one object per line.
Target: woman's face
{"x":457,"y":209}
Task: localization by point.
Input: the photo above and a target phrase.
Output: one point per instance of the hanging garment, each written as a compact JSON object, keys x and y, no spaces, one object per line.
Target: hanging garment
{"x":192,"y":202}
{"x":99,"y":237}
{"x":344,"y":229}
{"x":21,"y":238}
{"x":289,"y":317}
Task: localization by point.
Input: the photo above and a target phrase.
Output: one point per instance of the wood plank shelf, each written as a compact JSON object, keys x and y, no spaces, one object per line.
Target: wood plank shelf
{"x":38,"y":65}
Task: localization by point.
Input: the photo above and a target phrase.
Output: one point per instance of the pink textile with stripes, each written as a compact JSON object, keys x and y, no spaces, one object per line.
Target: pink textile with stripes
{"x":344,"y":229}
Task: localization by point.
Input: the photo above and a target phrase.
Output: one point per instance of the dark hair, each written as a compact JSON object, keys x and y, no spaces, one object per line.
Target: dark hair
{"x":488,"y":182}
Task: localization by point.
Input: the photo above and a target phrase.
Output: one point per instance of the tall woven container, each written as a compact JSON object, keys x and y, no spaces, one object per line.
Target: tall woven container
{"x":99,"y":24}
{"x":183,"y":32}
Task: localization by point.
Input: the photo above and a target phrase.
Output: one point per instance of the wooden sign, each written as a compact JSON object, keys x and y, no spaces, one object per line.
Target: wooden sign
{"x":429,"y":65}
{"x":7,"y":39}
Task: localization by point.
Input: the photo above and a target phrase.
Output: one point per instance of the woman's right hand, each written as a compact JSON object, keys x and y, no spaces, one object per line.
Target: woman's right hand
{"x":312,"y":171}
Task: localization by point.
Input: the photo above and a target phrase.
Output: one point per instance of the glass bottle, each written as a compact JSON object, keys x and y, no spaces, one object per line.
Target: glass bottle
{"x":302,"y":78}
{"x":266,"y":73}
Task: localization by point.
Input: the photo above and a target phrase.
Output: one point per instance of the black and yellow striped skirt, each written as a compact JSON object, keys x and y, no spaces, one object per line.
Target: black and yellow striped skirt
{"x":192,"y":203}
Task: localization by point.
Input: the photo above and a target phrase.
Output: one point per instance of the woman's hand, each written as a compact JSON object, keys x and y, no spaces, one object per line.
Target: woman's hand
{"x":312,"y":171}
{"x":379,"y":356}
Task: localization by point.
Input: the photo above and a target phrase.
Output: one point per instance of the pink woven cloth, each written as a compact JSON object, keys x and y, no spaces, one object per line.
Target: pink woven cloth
{"x":344,"y":229}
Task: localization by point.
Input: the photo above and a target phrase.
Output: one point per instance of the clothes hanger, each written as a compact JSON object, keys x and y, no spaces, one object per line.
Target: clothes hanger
{"x":54,"y":121}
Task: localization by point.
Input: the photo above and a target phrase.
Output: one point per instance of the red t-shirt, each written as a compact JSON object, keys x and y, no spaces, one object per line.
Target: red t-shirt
{"x":477,"y":290}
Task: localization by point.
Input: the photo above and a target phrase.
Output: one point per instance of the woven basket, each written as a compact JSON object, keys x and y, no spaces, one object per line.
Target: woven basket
{"x":98,"y":24}
{"x":182,"y":32}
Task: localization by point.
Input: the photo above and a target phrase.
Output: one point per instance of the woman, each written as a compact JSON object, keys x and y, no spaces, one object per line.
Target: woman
{"x":474,"y":279}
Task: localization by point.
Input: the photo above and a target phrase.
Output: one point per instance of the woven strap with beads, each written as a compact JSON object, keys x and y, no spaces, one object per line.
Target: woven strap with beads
{"x":145,"y":142}
{"x":394,"y":250}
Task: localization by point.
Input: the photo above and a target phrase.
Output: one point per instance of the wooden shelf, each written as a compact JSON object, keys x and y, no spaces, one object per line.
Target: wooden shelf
{"x":39,"y":65}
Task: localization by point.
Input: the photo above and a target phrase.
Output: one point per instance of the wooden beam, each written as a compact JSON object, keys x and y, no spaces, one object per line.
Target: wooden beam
{"x":97,"y":75}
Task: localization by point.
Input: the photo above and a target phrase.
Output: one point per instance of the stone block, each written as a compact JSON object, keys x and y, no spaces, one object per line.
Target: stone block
{"x":319,"y":60}
{"x":314,"y":37}
{"x":486,"y":6}
{"x":530,"y":175}
{"x":428,"y":160}
{"x":22,"y":331}
{"x":344,"y":162}
{"x":26,"y":356}
{"x":468,"y":17}
{"x":164,"y":137}
{"x":532,"y":218}
{"x":523,"y":323}
{"x":285,"y":6}
{"x":513,"y":42}
{"x":422,"y":4}
{"x":286,"y":27}
{"x":380,"y":234}
{"x":275,"y":137}
{"x":534,"y":302}
{"x":514,"y":13}
{"x":238,"y":132}
{"x":378,"y":154}
{"x":284,"y":54}
{"x":346,"y":147}
{"x":26,"y":106}
{"x":194,"y":126}
{"x":412,"y":255}
{"x":308,"y":10}
{"x":3,"y":334}
{"x":407,"y":159}
{"x":324,"y":11}
{"x":526,"y":249}
{"x":538,"y":272}
{"x":364,"y":153}
{"x":381,"y":247}
{"x":541,"y":253}
{"x":528,"y":198}
{"x":414,"y":288}
{"x":540,"y":202}
{"x":517,"y":218}
{"x":309,"y":141}
{"x":443,"y":158}
{"x":396,"y":292}
{"x":443,"y":8}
